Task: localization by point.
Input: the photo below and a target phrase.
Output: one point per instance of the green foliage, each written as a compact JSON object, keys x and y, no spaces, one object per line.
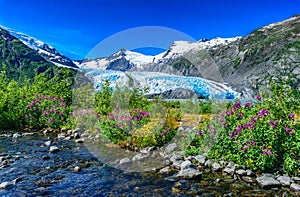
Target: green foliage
{"x":42,"y":103}
{"x":103,"y":99}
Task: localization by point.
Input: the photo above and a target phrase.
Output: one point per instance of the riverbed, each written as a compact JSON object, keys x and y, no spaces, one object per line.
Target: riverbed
{"x":31,"y":170}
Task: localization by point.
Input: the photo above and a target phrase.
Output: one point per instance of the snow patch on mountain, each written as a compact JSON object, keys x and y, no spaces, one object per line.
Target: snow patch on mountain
{"x":46,"y":51}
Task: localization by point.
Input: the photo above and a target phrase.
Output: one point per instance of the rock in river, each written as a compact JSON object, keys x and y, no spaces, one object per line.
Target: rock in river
{"x":53,"y":149}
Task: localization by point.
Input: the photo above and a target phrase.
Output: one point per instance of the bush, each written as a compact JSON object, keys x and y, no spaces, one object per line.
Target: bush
{"x":262,"y":135}
{"x":40,"y":104}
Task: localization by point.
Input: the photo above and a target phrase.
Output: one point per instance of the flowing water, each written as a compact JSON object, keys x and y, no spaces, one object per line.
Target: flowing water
{"x":27,"y":163}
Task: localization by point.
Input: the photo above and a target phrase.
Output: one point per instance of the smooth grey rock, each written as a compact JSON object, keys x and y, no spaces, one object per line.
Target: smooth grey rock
{"x":241,"y":172}
{"x":139,"y":157}
{"x":171,"y":148}
{"x":76,"y":169}
{"x":53,"y":149}
{"x":189,"y":173}
{"x":80,"y":140}
{"x":295,"y":178}
{"x":268,"y":181}
{"x":250,"y":173}
{"x":27,"y":134}
{"x":124,"y":161}
{"x":48,"y":143}
{"x":208,"y":163}
{"x":215,"y":166}
{"x":229,"y":170}
{"x":185,"y":165}
{"x":76,"y":135}
{"x":285,"y":180}
{"x":295,"y":187}
{"x":46,"y":131}
{"x":201,"y":159}
{"x":165,"y":170}
{"x":5,"y":184}
{"x":77,"y":130}
{"x":248,"y":179}
{"x":67,"y":138}
{"x":177,"y":164}
{"x":61,"y":136}
{"x":144,"y":151}
{"x":175,"y":157}
{"x":231,"y":165}
{"x":16,"y":135}
{"x":69,"y":132}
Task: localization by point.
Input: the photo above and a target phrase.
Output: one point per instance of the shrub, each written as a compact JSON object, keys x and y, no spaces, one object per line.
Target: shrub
{"x":262,"y":135}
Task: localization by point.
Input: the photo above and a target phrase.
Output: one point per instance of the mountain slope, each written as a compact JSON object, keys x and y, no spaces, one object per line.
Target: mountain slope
{"x":275,"y":47}
{"x":21,"y":61}
{"x":45,"y":50}
{"x":172,"y":61}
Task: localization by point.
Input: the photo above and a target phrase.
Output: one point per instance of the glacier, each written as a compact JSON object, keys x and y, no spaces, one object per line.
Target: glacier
{"x":158,"y":83}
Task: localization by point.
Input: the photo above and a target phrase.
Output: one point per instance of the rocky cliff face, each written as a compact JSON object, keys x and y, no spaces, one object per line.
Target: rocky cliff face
{"x":270,"y":50}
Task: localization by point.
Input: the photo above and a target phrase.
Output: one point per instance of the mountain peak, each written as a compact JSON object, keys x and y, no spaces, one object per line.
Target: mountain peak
{"x":46,"y":51}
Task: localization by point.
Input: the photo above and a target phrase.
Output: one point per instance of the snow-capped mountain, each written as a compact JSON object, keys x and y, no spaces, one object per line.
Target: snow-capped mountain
{"x":126,"y":60}
{"x":46,"y":51}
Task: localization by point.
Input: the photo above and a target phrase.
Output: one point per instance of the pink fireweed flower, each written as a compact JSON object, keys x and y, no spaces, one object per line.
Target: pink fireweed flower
{"x":254,"y":119}
{"x":200,"y":133}
{"x":163,"y":133}
{"x":154,"y":101}
{"x":230,"y":113}
{"x":248,"y":105}
{"x":258,"y":97}
{"x":253,"y":143}
{"x":289,"y":131}
{"x":51,"y":120}
{"x":273,"y":123}
{"x":236,"y":105}
{"x":271,"y":153}
{"x":292,"y":116}
{"x":167,"y":128}
{"x":239,"y":128}
{"x":215,"y":118}
{"x":60,"y":114}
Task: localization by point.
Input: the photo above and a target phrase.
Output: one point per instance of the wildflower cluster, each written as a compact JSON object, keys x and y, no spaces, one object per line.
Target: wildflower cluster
{"x":262,"y":134}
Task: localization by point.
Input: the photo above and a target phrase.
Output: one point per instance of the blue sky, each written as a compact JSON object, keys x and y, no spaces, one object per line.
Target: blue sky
{"x":75,"y":27}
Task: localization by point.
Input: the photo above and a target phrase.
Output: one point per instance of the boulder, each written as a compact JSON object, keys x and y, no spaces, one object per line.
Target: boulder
{"x":171,"y":148}
{"x":285,"y":180}
{"x":268,"y":181}
{"x":189,"y":173}
{"x":215,"y":166}
{"x":124,"y":161}
{"x":201,"y":159}
{"x":295,"y":187}
{"x":53,"y":149}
